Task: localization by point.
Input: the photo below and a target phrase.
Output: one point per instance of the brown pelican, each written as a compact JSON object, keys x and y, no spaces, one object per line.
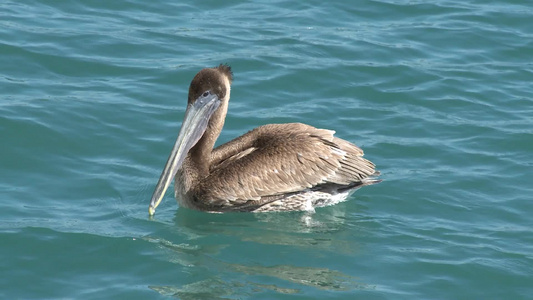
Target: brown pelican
{"x":276,"y":167}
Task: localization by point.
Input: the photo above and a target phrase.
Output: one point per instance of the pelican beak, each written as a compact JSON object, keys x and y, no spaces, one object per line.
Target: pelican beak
{"x":193,"y":127}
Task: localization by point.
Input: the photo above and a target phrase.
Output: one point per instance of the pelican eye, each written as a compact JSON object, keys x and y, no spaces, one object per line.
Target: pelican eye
{"x":205,"y":94}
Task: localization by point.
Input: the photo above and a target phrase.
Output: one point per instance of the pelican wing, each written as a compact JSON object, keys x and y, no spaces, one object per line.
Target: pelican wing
{"x":279,"y":159}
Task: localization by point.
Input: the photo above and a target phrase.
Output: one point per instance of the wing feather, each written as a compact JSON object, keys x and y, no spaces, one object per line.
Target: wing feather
{"x":278,"y":159}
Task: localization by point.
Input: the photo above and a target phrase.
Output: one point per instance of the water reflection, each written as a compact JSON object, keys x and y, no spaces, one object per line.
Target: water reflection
{"x":299,"y":229}
{"x":246,"y":248}
{"x":216,"y":288}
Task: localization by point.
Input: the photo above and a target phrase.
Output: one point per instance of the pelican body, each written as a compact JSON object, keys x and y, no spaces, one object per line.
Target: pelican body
{"x":275,"y":167}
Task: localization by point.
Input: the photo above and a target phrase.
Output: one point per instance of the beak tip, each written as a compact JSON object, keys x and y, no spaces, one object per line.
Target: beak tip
{"x":151,"y":210}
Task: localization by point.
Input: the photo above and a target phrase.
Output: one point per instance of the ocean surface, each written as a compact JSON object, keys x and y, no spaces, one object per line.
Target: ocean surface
{"x":439,"y":94}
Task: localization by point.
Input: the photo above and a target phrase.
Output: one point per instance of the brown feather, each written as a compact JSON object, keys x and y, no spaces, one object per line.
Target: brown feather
{"x":279,"y":159}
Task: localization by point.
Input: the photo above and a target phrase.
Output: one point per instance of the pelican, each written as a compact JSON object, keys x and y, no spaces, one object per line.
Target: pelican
{"x":275,"y":167}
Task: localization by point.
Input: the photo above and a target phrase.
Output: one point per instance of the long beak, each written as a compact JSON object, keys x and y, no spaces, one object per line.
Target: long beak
{"x":193,"y":127}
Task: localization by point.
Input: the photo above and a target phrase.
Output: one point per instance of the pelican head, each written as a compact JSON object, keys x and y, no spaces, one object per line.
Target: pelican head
{"x":208,"y":93}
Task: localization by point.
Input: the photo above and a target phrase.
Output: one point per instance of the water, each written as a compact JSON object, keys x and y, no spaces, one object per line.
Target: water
{"x":438,"y":94}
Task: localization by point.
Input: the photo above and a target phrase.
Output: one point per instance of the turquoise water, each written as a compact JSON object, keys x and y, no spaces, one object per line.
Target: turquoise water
{"x":438,"y":94}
